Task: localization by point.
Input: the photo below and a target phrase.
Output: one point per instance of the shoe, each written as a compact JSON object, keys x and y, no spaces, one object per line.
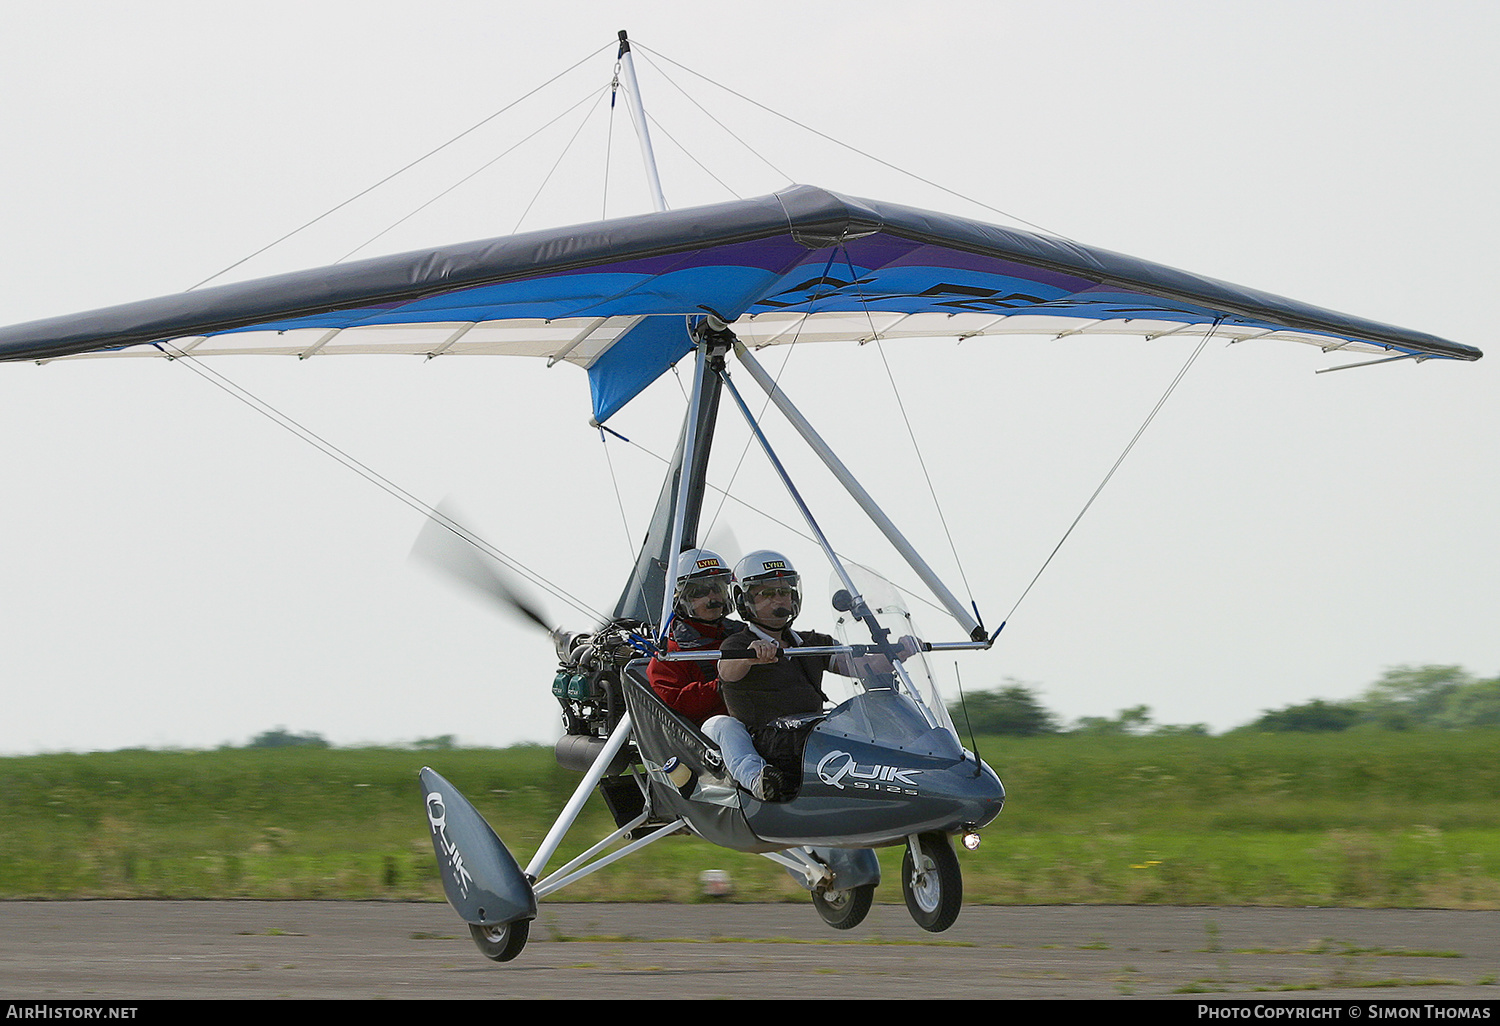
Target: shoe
{"x":770,"y":786}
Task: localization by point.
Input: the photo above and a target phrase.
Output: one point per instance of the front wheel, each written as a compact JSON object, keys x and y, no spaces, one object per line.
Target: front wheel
{"x":846,"y":909}
{"x":501,"y":943}
{"x":932,"y":883}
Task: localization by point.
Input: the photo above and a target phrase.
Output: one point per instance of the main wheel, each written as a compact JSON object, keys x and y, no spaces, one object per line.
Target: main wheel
{"x":932,"y":884}
{"x":501,"y":943}
{"x":846,"y":909}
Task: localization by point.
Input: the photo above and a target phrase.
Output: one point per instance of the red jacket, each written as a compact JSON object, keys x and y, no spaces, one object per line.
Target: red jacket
{"x":692,"y":688}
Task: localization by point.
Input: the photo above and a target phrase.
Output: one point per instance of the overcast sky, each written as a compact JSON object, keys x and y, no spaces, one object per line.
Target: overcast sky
{"x":180,"y":571}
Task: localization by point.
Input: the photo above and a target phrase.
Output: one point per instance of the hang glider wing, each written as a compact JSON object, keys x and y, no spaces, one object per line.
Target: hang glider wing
{"x":618,"y":297}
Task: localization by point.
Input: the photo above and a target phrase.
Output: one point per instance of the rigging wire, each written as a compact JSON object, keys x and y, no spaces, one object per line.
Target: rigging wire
{"x":399,"y":171}
{"x":855,"y":149}
{"x":968,"y":724}
{"x":614,"y":479}
{"x":1192,"y":358}
{"x":651,"y":119}
{"x":689,"y":154}
{"x":466,"y":178}
{"x":556,"y":163}
{"x":905,"y":419}
{"x":609,"y":142}
{"x":727,"y":130}
{"x":264,"y":408}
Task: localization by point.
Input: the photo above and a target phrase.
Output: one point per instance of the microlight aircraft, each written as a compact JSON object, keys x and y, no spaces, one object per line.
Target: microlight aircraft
{"x":627,"y":300}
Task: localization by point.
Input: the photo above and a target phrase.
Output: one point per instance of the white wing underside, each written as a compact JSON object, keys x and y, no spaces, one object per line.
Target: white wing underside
{"x":583,"y":340}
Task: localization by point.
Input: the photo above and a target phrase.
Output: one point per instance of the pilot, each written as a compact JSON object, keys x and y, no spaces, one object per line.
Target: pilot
{"x":763,"y":689}
{"x":768,"y":594}
{"x":700,"y":605}
{"x":768,"y":686}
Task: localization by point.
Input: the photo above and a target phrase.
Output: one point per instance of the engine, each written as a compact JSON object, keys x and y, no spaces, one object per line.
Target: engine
{"x":587,"y":684}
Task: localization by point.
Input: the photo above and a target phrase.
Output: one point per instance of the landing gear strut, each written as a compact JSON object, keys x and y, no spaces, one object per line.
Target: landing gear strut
{"x":931,"y":882}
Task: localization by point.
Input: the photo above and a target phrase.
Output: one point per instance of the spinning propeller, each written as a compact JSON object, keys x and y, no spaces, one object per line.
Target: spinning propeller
{"x":721,"y":539}
{"x":446,"y":545}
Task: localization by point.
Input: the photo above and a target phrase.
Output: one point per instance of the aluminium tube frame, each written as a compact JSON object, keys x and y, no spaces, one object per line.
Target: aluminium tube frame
{"x":955,"y":608}
{"x":570,"y":812}
{"x":857,"y":601}
{"x":684,"y":489}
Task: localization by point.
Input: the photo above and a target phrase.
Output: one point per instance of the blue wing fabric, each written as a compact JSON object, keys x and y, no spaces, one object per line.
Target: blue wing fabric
{"x":617,"y":297}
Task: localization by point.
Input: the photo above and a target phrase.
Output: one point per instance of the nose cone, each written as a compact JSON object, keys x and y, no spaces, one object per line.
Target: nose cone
{"x":968,"y":793}
{"x":986,"y":796}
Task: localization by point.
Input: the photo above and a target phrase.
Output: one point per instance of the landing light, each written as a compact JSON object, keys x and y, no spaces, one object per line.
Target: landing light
{"x":970,"y":839}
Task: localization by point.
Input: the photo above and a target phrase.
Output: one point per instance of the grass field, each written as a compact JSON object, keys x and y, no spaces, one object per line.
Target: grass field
{"x":1402,"y":819}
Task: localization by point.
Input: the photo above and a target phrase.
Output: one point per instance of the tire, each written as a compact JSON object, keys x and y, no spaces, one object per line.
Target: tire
{"x":934,"y":891}
{"x":846,"y":909}
{"x":501,"y":943}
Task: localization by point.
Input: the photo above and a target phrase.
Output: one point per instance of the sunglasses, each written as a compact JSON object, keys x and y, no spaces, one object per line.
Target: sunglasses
{"x":690,"y":592}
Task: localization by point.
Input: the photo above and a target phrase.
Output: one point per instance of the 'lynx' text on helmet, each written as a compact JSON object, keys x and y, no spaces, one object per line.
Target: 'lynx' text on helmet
{"x":767,"y":589}
{"x":703,"y":580}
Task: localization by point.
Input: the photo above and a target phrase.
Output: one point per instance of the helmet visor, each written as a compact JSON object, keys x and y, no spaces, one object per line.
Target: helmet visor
{"x":785,"y":588}
{"x":777,"y":599}
{"x":710,"y":587}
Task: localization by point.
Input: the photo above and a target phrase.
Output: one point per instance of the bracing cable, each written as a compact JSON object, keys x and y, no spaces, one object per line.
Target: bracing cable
{"x":553,"y":170}
{"x":855,"y":149}
{"x":466,"y":178}
{"x":399,"y":171}
{"x":727,"y":130}
{"x":905,"y":419}
{"x":1192,"y":358}
{"x":264,"y":408}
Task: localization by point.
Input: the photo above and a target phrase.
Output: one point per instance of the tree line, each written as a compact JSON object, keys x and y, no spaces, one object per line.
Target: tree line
{"x":1404,"y":698}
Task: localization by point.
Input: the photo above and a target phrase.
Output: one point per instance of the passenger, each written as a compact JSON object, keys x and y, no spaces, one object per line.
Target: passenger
{"x":700,"y":605}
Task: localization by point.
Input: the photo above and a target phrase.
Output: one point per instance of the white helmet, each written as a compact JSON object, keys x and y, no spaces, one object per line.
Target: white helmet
{"x":699,"y":572}
{"x":767,"y":569}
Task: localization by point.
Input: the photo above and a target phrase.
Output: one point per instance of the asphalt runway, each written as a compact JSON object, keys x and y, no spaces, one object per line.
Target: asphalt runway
{"x":238,"y":950}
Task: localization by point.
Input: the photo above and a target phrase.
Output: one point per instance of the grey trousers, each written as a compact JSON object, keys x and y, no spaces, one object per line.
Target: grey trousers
{"x":740,"y":757}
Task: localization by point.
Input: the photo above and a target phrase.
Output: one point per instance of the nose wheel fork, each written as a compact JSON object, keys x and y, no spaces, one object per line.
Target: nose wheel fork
{"x":844,"y":909}
{"x":503,"y":942}
{"x":931,"y":881}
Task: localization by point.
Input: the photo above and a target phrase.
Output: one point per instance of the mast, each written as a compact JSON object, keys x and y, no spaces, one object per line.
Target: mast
{"x":674,"y":525}
{"x":638,"y":113}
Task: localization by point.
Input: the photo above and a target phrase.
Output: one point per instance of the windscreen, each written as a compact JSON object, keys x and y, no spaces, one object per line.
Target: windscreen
{"x":913,"y":678}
